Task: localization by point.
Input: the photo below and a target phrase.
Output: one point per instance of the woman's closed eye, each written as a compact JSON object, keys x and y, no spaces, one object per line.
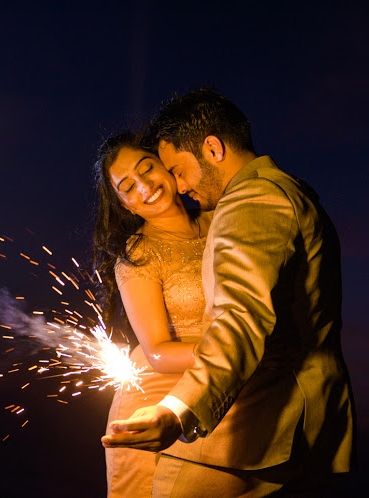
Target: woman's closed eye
{"x":128,"y":184}
{"x":145,"y":168}
{"x":126,"y":187}
{"x":130,"y":188}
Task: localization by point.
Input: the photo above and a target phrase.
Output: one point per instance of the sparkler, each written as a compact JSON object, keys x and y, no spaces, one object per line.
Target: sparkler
{"x":77,"y":350}
{"x":109,"y":364}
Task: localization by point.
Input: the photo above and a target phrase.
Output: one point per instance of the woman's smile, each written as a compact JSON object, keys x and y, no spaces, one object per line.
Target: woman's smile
{"x":155,"y":196}
{"x":142,"y":183}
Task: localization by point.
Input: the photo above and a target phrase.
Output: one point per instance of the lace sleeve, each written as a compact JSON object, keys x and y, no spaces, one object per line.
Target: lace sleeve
{"x":145,"y":264}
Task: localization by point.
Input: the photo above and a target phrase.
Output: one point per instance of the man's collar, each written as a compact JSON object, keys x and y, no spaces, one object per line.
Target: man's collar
{"x":249,"y":170}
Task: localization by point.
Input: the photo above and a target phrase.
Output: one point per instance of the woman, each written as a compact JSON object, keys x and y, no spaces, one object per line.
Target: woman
{"x":145,"y":236}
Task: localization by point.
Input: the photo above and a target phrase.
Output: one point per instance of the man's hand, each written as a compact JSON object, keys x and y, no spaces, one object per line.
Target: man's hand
{"x":152,"y":428}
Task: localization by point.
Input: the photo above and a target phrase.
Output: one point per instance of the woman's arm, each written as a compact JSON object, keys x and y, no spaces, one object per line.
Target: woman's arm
{"x":144,"y":304}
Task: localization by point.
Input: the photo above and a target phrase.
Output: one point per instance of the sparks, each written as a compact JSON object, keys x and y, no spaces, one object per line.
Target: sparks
{"x":79,"y":348}
{"x":100,"y":355}
{"x":47,"y":250}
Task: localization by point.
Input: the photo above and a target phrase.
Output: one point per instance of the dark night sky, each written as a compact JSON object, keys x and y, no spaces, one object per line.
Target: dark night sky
{"x":70,"y":75}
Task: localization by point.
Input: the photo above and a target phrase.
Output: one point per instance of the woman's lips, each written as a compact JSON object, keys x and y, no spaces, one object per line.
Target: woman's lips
{"x":155,"y":196}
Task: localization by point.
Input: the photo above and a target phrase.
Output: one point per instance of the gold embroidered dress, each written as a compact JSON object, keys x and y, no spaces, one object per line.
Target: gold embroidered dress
{"x":176,"y":264}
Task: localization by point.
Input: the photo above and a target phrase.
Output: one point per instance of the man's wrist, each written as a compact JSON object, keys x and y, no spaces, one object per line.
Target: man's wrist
{"x":191,"y":429}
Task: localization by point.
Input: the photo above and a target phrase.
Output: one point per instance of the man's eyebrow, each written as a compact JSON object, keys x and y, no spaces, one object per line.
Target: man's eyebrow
{"x":135,"y":167}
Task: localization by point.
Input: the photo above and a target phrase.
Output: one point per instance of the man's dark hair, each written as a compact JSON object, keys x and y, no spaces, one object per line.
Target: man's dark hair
{"x":185,"y":121}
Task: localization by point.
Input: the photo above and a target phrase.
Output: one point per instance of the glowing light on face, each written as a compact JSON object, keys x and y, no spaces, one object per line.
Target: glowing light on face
{"x":142,"y":183}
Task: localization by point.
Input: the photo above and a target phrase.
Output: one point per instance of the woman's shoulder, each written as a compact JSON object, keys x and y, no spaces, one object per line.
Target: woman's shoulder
{"x":140,"y":260}
{"x":139,"y":250}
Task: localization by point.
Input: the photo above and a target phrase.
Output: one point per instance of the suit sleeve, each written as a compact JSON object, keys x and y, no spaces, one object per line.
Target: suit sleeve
{"x":253,"y":229}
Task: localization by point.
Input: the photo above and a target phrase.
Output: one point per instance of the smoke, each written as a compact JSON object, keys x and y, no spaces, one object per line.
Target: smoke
{"x":24,"y":326}
{"x":65,"y":349}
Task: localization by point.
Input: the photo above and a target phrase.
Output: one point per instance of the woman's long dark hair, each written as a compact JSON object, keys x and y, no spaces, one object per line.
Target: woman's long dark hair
{"x":113,"y":226}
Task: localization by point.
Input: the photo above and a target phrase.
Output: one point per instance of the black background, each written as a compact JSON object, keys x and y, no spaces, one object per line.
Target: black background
{"x":72,"y":72}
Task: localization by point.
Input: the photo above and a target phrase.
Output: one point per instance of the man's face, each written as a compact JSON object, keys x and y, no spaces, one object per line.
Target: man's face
{"x":201,"y":180}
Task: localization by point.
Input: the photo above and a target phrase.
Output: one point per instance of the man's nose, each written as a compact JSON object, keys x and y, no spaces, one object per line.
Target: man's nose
{"x":182,"y":186}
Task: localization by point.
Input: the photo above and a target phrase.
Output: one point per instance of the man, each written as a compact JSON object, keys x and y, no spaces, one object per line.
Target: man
{"x":268,"y":385}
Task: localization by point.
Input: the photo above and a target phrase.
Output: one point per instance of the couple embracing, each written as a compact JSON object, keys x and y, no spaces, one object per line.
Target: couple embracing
{"x":236,"y":312}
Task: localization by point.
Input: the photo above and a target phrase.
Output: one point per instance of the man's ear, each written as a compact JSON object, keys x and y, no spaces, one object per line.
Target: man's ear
{"x":213,"y":149}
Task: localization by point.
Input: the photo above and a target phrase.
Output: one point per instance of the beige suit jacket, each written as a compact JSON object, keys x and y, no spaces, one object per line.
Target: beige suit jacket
{"x":271,"y":357}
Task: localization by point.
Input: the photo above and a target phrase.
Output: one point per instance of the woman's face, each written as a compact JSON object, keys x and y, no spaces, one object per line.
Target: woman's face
{"x":142,"y":183}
